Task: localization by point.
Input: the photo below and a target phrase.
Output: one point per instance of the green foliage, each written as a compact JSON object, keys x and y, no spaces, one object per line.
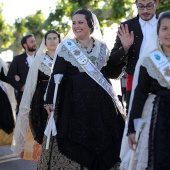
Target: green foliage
{"x":108,"y":12}
{"x":30,"y":24}
{"x":6,"y":38}
{"x":164,"y":5}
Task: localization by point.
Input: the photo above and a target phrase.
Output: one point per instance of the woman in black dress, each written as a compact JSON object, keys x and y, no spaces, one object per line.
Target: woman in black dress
{"x":89,"y":124}
{"x":32,"y":117}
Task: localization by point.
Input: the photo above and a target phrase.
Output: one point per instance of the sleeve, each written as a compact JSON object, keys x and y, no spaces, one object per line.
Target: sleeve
{"x":2,"y":75}
{"x":12,"y":72}
{"x":60,"y":67}
{"x":111,"y":70}
{"x":140,"y":95}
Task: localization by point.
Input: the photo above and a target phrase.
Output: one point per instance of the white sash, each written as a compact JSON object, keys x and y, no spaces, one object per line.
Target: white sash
{"x":162,"y":65}
{"x":3,"y":87}
{"x":48,"y":62}
{"x":92,"y":71}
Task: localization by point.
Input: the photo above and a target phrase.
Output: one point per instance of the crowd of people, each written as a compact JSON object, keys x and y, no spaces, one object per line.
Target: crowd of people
{"x":68,"y":115}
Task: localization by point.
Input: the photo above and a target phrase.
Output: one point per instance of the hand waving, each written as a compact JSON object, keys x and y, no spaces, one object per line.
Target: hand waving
{"x":126,"y":38}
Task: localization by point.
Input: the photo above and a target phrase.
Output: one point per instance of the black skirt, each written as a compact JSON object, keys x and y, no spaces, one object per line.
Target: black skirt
{"x":6,"y":120}
{"x":159,"y":142}
{"x":89,"y":126}
{"x":38,"y":115}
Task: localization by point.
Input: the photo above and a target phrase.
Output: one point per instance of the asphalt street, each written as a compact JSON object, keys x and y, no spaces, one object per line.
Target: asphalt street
{"x":8,"y":161}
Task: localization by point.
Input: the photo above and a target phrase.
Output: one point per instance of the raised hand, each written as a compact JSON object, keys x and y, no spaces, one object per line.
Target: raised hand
{"x":126,"y":38}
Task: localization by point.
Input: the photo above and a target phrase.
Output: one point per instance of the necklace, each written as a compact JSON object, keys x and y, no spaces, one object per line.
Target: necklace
{"x":88,"y":44}
{"x":51,"y":57}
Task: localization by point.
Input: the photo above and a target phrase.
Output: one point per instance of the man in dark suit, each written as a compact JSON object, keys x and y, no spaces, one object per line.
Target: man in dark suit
{"x":131,"y":37}
{"x":19,"y":67}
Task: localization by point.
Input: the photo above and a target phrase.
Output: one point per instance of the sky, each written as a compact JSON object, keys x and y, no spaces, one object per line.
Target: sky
{"x":14,"y":9}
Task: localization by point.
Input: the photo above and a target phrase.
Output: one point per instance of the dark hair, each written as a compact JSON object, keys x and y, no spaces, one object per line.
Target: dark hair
{"x":88,"y":17}
{"x":162,"y":16}
{"x":52,"y":31}
{"x":137,"y":0}
{"x":24,"y":39}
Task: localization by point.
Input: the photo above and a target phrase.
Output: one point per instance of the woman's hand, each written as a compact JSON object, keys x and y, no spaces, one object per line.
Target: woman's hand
{"x":132,"y":142}
{"x":17,"y":78}
{"x":49,"y":108}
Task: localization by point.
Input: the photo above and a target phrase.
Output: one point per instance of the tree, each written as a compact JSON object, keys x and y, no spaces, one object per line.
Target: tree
{"x":30,"y":24}
{"x":164,"y":5}
{"x":6,"y":34}
{"x":108,"y":12}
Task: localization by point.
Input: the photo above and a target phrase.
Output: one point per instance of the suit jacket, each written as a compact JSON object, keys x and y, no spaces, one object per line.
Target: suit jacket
{"x":118,"y":53}
{"x":19,"y":66}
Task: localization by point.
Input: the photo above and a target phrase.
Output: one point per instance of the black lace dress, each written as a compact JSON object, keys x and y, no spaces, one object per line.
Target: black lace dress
{"x":88,"y":124}
{"x":38,"y":115}
{"x":159,"y":135}
{"x":6,"y":115}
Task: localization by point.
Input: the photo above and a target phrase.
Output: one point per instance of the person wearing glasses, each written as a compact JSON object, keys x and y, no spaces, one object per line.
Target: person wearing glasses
{"x":32,"y":116}
{"x":132,"y":37}
{"x":151,"y":102}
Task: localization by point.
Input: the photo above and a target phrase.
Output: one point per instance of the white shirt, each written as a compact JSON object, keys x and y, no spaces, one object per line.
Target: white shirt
{"x":30,"y":59}
{"x":147,"y":28}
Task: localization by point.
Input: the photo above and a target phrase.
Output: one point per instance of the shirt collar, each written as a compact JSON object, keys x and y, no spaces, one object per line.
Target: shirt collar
{"x":152,"y":21}
{"x":30,"y":55}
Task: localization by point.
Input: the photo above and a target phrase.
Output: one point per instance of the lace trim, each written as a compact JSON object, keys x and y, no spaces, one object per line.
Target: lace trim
{"x":100,"y":50}
{"x":153,"y":72}
{"x":18,"y":143}
{"x":141,"y":154}
{"x":46,"y":70}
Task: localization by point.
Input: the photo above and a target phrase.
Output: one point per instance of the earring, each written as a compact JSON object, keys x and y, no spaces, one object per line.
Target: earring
{"x":160,"y":42}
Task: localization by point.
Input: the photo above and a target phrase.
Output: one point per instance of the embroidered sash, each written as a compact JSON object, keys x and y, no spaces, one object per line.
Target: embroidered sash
{"x":48,"y":62}
{"x":92,"y":71}
{"x":162,"y":65}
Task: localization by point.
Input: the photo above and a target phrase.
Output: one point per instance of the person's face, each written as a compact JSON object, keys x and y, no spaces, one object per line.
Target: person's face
{"x":80,"y":26}
{"x":164,"y":33}
{"x":146,"y":8}
{"x":31,"y":44}
{"x":52,"y":41}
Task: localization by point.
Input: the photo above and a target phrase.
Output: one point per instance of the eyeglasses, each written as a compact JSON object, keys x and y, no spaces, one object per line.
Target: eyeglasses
{"x":52,"y":39}
{"x":148,"y":7}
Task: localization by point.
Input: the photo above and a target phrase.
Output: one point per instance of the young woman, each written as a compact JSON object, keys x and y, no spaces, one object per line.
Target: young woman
{"x":151,"y":101}
{"x":31,"y":121}
{"x":89,"y":124}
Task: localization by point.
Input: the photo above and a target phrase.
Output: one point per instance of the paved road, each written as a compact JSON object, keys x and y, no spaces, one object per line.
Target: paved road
{"x":8,"y":161}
